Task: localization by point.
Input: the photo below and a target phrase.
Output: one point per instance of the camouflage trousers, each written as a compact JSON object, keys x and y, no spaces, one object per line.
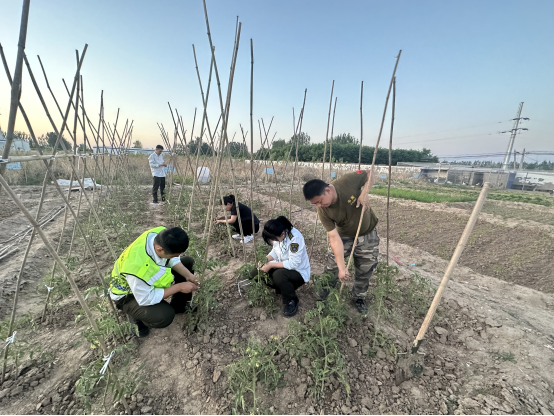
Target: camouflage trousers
{"x":366,"y":254}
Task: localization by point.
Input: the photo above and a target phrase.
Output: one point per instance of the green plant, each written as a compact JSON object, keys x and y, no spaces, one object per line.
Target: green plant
{"x":257,"y":365}
{"x":418,"y":294}
{"x":258,"y":294}
{"x":204,"y":302}
{"x":505,"y":356}
{"x":385,"y":289}
{"x":123,"y":381}
{"x":316,"y":339}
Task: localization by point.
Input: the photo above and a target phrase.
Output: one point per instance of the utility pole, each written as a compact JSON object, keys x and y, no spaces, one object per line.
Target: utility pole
{"x":521,"y":163}
{"x":515,"y":153}
{"x":513,"y":132}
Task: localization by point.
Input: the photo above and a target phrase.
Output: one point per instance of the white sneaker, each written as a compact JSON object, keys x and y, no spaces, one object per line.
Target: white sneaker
{"x":236,"y":236}
{"x":155,"y":203}
{"x":247,"y":239}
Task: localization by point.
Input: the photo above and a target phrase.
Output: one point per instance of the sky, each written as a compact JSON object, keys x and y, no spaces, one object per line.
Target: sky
{"x":465,"y":67}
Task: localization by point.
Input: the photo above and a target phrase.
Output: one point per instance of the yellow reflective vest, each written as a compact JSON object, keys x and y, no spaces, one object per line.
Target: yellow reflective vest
{"x":136,"y":261}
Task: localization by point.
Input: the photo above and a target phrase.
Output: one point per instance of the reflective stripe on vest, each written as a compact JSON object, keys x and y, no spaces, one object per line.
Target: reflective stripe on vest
{"x":136,"y":261}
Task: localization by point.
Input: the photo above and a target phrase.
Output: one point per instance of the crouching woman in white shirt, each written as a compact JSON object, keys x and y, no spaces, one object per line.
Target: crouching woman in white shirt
{"x":288,"y":266}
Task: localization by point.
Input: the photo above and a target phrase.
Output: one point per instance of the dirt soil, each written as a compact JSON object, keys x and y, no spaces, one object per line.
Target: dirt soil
{"x":490,"y":349}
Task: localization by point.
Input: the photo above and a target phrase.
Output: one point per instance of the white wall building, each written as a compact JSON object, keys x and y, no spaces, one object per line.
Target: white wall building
{"x":17,"y":145}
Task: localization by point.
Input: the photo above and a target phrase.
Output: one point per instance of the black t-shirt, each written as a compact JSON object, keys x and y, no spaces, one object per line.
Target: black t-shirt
{"x":245,"y":213}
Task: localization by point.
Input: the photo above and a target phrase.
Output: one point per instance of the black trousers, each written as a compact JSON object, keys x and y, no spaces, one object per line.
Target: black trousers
{"x":246,"y":227}
{"x":284,"y":281}
{"x":158,"y":183}
{"x":162,"y":314}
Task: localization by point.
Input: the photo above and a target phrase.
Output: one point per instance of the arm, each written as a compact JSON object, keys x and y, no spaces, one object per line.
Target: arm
{"x":183,"y":271}
{"x":231,"y":220}
{"x":152,"y":162}
{"x":184,"y":287}
{"x":338,"y":250}
{"x":295,"y":259}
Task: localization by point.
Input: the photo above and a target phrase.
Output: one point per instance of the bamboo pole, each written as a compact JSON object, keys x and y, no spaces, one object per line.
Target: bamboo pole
{"x":361,"y":126}
{"x":327,"y":132}
{"x":368,"y":184}
{"x":252,"y":141}
{"x":296,"y":158}
{"x":204,"y":116}
{"x":390,"y":163}
{"x":331,"y":142}
{"x":16,"y":84}
{"x":323,"y":165}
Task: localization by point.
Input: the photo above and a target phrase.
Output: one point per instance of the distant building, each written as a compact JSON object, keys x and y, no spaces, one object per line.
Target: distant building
{"x":17,"y":144}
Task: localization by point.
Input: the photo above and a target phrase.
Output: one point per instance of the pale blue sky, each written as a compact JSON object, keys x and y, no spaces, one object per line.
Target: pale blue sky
{"x":464,"y":63}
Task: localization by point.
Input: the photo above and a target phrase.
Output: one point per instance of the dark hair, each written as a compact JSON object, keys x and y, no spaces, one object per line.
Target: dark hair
{"x":274,"y":228}
{"x":313,"y":188}
{"x":229,"y":199}
{"x":159,"y":147}
{"x":173,"y":240}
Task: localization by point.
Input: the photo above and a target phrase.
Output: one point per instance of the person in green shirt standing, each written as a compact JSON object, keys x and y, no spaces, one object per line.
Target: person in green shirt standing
{"x":339,"y":206}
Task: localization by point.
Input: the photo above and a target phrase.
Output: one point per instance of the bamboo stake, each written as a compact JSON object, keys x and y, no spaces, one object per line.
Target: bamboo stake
{"x":16,"y":84}
{"x":361,"y":126}
{"x":323,"y":164}
{"x":331,"y":143}
{"x":252,"y":141}
{"x":199,"y":145}
{"x":368,"y":183}
{"x":296,"y":158}
{"x":390,"y":163}
{"x":327,"y":132}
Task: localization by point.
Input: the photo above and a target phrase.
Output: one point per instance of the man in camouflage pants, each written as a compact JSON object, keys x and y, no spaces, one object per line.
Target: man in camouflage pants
{"x":339,"y":209}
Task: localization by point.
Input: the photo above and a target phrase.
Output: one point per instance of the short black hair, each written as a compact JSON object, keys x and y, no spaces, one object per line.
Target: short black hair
{"x":173,"y":240}
{"x":313,"y":188}
{"x":159,"y":147}
{"x":274,"y":228}
{"x":230,"y":199}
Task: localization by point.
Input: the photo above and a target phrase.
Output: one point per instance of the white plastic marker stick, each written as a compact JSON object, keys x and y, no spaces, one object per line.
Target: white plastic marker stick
{"x":107,"y":359}
{"x":10,"y":340}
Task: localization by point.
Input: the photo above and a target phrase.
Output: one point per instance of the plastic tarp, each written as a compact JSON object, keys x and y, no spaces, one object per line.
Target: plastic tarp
{"x":87,"y":183}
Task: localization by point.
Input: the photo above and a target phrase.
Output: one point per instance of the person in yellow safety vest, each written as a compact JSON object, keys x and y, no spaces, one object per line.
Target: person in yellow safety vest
{"x":144,"y":274}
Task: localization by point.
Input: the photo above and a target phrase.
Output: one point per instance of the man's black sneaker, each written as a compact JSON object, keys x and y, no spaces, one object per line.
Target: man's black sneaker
{"x":290,"y":309}
{"x":143,"y":330}
{"x":361,"y":306}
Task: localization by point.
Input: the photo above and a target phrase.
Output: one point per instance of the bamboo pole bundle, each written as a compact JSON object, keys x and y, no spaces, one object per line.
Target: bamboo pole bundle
{"x":224,"y":114}
{"x":81,"y":185}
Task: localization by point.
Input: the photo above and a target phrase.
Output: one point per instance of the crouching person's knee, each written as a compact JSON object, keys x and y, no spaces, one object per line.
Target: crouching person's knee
{"x":162,"y":316}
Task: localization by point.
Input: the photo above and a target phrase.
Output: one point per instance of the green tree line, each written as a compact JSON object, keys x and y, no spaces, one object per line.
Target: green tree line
{"x":346,"y":149}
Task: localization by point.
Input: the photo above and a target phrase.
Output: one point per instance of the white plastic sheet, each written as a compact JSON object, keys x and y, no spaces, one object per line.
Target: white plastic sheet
{"x":87,"y":183}
{"x":203,"y":174}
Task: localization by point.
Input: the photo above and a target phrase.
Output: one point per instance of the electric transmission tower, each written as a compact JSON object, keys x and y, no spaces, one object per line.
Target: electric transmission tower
{"x":513,"y":132}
